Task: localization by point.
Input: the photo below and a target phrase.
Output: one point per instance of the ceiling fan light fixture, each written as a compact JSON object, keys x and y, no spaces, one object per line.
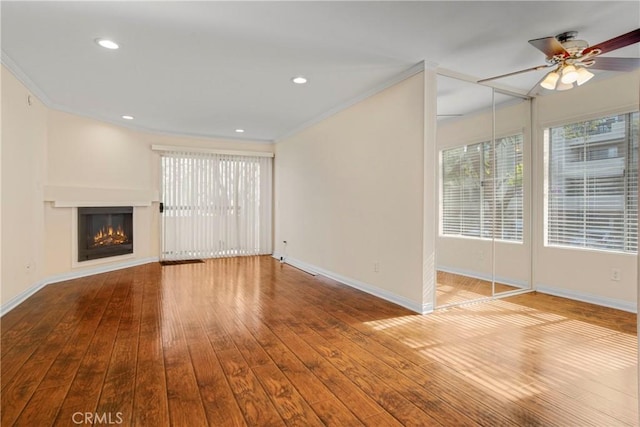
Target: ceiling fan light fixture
{"x":584,"y":76}
{"x":550,"y":81}
{"x":564,"y":86}
{"x":569,"y":74}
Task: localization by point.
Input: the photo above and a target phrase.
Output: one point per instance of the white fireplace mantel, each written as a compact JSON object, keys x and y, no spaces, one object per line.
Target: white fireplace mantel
{"x":70,"y":197}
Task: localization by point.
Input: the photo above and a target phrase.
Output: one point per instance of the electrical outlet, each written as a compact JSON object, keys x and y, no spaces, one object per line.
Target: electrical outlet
{"x":376,"y":267}
{"x":615,"y":274}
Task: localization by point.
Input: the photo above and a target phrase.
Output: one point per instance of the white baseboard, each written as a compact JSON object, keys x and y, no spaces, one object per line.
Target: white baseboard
{"x":365,"y":287}
{"x":307,"y":268}
{"x":590,"y":298}
{"x":522,"y":284}
{"x":15,"y":301}
{"x":427,"y":308}
{"x":18,"y":299}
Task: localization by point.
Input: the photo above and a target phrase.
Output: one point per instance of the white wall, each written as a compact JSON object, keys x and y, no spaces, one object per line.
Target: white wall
{"x":583,"y":274}
{"x":1,"y":108}
{"x":348,"y":193}
{"x":24,"y":127}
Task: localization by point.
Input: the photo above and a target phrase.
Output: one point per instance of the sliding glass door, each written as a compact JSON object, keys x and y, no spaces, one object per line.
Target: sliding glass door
{"x":215,"y":205}
{"x":483,"y":246}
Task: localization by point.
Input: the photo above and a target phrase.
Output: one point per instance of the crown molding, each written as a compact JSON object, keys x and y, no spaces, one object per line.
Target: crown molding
{"x":138,"y":128}
{"x":19,"y":74}
{"x":44,"y":98}
{"x":502,"y":88}
{"x":409,"y":72}
{"x":23,"y":78}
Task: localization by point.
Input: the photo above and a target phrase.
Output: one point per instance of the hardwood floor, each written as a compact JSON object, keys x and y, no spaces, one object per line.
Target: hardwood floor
{"x":249,"y":341}
{"x":457,"y":289}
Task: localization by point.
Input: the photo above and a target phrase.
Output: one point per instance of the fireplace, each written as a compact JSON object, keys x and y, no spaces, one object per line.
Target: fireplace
{"x":104,"y":232}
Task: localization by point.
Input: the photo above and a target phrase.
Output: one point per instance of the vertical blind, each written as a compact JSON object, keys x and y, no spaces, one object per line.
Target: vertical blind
{"x":482,"y":192}
{"x":215,"y":205}
{"x":592,"y":178}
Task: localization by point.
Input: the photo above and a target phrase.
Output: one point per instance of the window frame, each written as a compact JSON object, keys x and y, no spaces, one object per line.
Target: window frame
{"x":626,"y":146}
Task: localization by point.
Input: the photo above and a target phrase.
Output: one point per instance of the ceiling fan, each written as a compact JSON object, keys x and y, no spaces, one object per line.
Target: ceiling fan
{"x":573,"y":57}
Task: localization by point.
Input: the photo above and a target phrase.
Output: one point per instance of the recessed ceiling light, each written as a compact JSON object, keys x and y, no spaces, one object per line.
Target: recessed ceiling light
{"x":299,"y":80}
{"x":239,"y":130}
{"x":107,"y":44}
{"x":127,"y":117}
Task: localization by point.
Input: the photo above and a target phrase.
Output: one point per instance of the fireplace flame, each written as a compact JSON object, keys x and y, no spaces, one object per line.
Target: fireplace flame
{"x":108,"y":236}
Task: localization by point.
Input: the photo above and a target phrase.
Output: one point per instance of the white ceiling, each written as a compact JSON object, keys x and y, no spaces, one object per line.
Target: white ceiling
{"x":207,"y":68}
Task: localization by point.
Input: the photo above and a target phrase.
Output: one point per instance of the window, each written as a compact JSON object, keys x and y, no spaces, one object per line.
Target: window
{"x":482,"y":190}
{"x":592,"y":184}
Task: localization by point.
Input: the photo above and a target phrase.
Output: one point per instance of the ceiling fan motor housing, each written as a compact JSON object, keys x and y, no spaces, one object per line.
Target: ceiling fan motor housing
{"x":573,"y":46}
{"x":566,"y":36}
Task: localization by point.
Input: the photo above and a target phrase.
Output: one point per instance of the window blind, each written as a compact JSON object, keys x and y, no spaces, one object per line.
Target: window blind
{"x":482,"y":192}
{"x":215,"y":205}
{"x":592,"y":175}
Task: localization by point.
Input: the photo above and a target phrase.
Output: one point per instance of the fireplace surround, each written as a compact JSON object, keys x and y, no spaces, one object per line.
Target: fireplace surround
{"x":104,"y":232}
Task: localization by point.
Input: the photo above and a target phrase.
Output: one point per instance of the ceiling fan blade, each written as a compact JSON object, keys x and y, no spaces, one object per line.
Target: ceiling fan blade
{"x":549,"y":46}
{"x":539,"y":67}
{"x":616,"y":42}
{"x":615,"y":64}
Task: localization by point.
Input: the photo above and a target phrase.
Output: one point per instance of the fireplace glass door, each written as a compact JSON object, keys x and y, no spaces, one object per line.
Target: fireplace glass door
{"x":104,"y":232}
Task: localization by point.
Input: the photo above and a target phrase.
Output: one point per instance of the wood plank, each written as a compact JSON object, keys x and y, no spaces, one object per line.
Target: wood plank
{"x":254,"y":403}
{"x":381,"y":391}
{"x":381,"y":419}
{"x":424,"y":398}
{"x":314,"y":390}
{"x":218,"y":400}
{"x":84,"y":391}
{"x":22,"y":345}
{"x":31,"y":381}
{"x":333,"y":413}
{"x":292,"y":407}
{"x":118,"y":390}
{"x":150,"y":402}
{"x":329,"y":409}
{"x":358,"y":402}
{"x":19,"y":321}
{"x":220,"y":405}
{"x":185,"y":404}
